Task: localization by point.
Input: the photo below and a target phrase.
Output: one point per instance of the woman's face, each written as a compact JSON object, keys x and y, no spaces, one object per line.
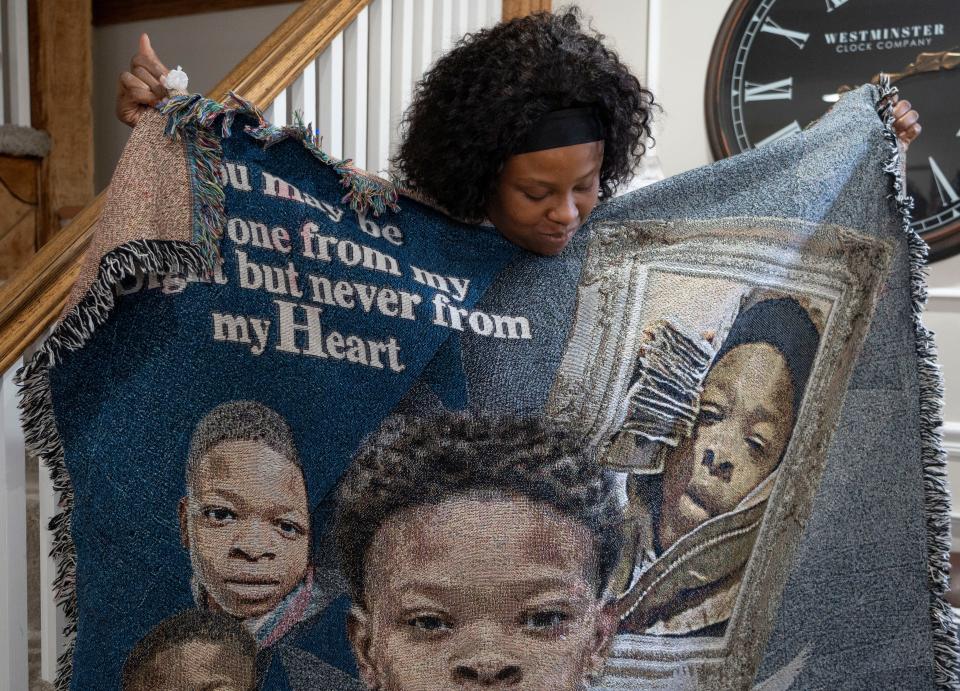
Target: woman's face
{"x":542,"y":197}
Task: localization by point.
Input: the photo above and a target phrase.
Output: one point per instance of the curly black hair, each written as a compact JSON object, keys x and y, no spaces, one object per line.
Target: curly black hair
{"x":422,"y":461}
{"x":471,"y":111}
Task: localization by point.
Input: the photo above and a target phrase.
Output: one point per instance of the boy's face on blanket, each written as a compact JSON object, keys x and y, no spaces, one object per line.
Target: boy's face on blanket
{"x":246,"y":524}
{"x":541,"y":198}
{"x":745,"y":422}
{"x":477,"y":593}
{"x":197,"y":666}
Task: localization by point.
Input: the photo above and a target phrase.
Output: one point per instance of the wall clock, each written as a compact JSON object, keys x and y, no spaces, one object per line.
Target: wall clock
{"x":777,"y":65}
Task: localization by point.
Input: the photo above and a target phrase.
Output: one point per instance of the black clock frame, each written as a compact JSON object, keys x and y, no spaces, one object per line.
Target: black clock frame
{"x":943,"y":241}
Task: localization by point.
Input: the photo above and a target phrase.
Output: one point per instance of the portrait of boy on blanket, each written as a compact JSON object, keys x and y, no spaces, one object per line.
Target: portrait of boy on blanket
{"x":478,"y":552}
{"x":715,"y":483}
{"x":193,"y":650}
{"x":245,"y":520}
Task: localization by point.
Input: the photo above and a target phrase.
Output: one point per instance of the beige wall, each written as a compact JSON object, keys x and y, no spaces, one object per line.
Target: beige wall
{"x":207,"y":45}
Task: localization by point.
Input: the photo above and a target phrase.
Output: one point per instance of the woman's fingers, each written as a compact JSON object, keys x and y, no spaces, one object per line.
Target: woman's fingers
{"x":133,"y":96}
{"x":906,"y":120}
{"x":150,"y":82}
{"x":142,"y":85}
{"x":147,"y":58}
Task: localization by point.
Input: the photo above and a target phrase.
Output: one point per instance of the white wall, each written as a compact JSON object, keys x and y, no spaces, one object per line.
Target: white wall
{"x":625,"y":26}
{"x":207,"y":45}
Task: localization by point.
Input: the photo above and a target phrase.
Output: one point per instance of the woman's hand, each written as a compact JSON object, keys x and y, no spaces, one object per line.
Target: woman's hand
{"x":906,"y":122}
{"x":141,"y":87}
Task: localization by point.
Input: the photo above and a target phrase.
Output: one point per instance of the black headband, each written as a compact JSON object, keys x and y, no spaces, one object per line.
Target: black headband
{"x":564,"y":127}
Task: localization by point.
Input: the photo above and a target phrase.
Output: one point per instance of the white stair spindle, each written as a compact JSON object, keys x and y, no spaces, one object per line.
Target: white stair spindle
{"x":279,"y":107}
{"x":309,"y":78}
{"x":52,"y":619}
{"x":355,"y":48}
{"x":296,"y":97}
{"x":460,"y":19}
{"x":16,"y":63}
{"x":442,"y":27}
{"x":330,"y":97}
{"x":401,"y":75}
{"x":13,"y":539}
{"x":477,"y":17}
{"x":494,"y":12}
{"x":422,"y":36}
{"x":379,"y":87}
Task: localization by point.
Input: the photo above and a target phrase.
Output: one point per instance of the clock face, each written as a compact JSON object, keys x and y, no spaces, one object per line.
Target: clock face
{"x":777,"y":65}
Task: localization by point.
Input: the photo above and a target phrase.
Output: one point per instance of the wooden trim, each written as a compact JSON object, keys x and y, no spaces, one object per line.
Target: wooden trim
{"x":61,"y":104}
{"x":521,"y":8}
{"x":35,"y":296}
{"x":118,"y":11}
{"x":283,"y":55}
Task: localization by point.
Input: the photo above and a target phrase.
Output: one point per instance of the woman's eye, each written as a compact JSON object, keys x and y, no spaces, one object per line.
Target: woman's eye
{"x":756,"y":443}
{"x":428,"y":622}
{"x":540,"y":621}
{"x":289,"y":529}
{"x":535,"y":197}
{"x":219,"y":514}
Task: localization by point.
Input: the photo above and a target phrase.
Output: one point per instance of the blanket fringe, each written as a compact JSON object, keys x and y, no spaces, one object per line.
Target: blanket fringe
{"x":196,"y":115}
{"x":36,"y":405}
{"x":945,"y":644}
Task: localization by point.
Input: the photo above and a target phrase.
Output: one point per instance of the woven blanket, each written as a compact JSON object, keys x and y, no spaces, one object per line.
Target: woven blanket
{"x":739,"y":345}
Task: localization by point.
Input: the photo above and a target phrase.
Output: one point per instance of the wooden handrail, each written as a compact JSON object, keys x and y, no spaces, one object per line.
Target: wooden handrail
{"x":35,"y":296}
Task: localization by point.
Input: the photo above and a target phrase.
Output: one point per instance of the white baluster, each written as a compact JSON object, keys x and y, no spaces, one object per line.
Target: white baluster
{"x":13,"y":539}
{"x":494,"y":12}
{"x":279,"y":109}
{"x":442,"y":27}
{"x":460,"y":19}
{"x":379,"y":88}
{"x":3,"y":66}
{"x":355,"y":48}
{"x":423,"y":19}
{"x":401,"y":75}
{"x":52,"y":619}
{"x":296,"y":96}
{"x":330,"y":97}
{"x":310,"y":96}
{"x":16,"y":60}
{"x":477,"y":17}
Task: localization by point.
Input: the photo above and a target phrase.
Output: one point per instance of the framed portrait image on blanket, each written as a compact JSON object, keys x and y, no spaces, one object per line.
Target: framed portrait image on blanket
{"x":719,"y":351}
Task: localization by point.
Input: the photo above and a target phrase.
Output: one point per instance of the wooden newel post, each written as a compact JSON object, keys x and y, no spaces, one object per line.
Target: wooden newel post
{"x":521,"y":8}
{"x":61,"y":67}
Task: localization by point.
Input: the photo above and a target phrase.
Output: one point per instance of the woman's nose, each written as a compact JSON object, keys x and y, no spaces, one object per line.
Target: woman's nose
{"x":565,"y":212}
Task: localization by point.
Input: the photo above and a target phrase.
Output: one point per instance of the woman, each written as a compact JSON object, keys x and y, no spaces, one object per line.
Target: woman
{"x":528,"y":124}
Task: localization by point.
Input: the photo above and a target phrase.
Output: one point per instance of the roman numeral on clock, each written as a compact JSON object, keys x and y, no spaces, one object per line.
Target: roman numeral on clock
{"x":792,"y":128}
{"x":834,"y":4}
{"x":797,"y":38}
{"x":948,"y":195}
{"x":774,"y":91}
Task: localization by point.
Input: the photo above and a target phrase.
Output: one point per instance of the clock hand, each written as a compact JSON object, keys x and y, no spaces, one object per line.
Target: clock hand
{"x":924,"y":62}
